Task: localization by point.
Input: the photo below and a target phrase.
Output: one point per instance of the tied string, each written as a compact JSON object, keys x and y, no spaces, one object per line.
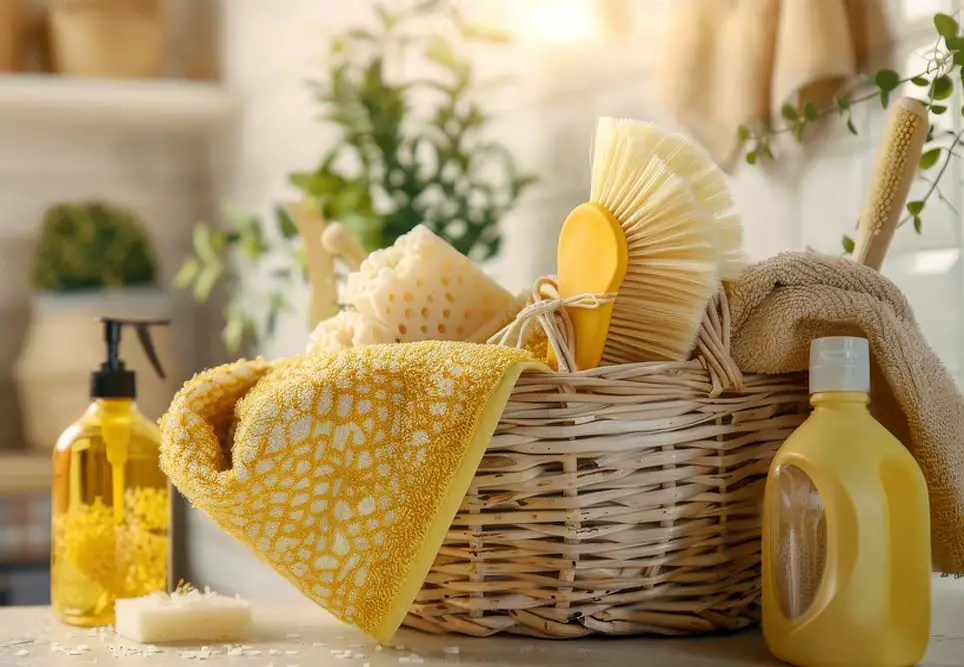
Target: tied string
{"x":551,"y":312}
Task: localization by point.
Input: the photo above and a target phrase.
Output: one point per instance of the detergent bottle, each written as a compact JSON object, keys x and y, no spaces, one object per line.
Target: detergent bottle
{"x":846,"y":529}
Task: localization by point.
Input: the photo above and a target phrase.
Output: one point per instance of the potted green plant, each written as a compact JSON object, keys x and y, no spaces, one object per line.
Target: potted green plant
{"x":92,"y":259}
{"x":396,"y":163}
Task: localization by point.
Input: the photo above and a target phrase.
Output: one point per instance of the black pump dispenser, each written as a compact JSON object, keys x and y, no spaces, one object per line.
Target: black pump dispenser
{"x":113,"y":380}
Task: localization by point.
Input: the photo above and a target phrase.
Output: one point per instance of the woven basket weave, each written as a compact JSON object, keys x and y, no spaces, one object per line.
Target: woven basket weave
{"x":623,"y":500}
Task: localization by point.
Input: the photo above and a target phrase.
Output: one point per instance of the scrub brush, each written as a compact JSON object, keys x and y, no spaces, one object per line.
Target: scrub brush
{"x":897,"y":159}
{"x":660,"y":236}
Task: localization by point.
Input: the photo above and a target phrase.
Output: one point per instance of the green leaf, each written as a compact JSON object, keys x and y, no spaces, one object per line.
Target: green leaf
{"x":915,"y":207}
{"x":841,"y":103}
{"x":301,"y":259}
{"x":484,"y":34}
{"x":202,"y":243}
{"x":848,"y":244}
{"x":798,"y":130}
{"x":362,"y":35}
{"x":789,"y":113}
{"x":884,"y":99}
{"x":387,"y":18}
{"x":206,"y":281}
{"x":918,"y":224}
{"x":920,"y":81}
{"x":751,"y":157}
{"x":810,"y":111}
{"x":929,"y":158}
{"x":743,"y":132}
{"x":955,"y":44}
{"x":441,"y":53}
{"x":938,"y":109}
{"x":286,"y":225}
{"x":852,"y":127}
{"x":942,"y":87}
{"x":187,"y":273}
{"x":946,"y":25}
{"x":233,"y":333}
{"x":887,"y":80}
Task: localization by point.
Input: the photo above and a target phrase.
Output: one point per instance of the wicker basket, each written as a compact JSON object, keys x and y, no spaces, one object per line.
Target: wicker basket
{"x":109,"y":38}
{"x":624,"y":500}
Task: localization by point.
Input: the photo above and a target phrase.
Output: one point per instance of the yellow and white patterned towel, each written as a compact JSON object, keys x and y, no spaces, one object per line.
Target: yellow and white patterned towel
{"x":343,"y":471}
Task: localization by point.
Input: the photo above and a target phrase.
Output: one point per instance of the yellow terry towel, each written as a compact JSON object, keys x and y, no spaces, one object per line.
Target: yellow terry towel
{"x":730,"y":62}
{"x":342,"y":470}
{"x":778,"y":306}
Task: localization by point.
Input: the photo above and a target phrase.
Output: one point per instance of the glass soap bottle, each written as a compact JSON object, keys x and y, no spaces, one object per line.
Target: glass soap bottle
{"x":111,"y":501}
{"x":846,"y":529}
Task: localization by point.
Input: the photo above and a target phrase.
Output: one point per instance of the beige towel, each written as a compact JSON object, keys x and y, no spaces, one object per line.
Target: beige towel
{"x":730,"y":62}
{"x":780,"y":305}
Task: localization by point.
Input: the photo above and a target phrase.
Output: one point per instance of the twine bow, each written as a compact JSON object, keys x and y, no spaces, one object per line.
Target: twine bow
{"x":550,"y":311}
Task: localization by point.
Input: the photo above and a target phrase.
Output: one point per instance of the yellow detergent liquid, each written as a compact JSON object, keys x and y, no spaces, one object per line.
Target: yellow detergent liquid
{"x":846,"y":530}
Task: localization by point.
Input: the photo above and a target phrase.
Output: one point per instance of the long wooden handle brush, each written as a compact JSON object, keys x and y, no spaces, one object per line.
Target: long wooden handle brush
{"x":658,"y":232}
{"x":893,"y":175}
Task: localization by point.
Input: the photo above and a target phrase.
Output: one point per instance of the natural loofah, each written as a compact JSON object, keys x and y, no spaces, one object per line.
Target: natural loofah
{"x":345,"y":470}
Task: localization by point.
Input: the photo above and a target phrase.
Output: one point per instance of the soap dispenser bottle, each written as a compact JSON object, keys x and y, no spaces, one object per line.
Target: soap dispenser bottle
{"x":846,"y":529}
{"x":111,"y":501}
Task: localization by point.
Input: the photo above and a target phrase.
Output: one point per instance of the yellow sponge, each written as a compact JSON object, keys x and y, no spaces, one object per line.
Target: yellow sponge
{"x":349,"y":328}
{"x":424,"y":289}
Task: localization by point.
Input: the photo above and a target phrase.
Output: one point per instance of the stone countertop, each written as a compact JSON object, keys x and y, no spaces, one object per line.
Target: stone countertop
{"x":302,"y":635}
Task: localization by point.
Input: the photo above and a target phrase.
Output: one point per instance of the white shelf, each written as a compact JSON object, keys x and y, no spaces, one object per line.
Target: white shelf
{"x":163,"y":104}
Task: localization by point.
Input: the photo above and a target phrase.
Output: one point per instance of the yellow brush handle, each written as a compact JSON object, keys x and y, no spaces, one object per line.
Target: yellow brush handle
{"x":893,"y":174}
{"x":592,"y":258}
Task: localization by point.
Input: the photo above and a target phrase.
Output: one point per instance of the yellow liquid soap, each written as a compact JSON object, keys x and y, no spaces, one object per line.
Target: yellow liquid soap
{"x":846,"y":530}
{"x":110,"y":499}
{"x":95,"y":557}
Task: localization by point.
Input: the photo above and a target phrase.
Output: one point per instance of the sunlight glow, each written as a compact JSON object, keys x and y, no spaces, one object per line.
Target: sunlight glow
{"x":555,"y":20}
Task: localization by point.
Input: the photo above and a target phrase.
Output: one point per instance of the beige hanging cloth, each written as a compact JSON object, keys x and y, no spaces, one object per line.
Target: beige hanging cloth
{"x":730,"y":62}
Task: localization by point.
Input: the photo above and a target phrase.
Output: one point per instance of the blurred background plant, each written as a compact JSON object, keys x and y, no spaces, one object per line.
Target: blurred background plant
{"x":90,"y":246}
{"x":394,"y":165}
{"x":944,"y":63}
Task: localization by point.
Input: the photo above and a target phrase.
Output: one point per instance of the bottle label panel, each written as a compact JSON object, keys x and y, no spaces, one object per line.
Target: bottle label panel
{"x":799,"y":530}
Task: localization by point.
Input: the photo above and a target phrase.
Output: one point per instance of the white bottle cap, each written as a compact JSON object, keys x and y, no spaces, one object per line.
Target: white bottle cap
{"x":839,"y":363}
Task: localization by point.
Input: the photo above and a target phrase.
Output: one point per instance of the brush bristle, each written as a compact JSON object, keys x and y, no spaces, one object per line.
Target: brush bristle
{"x":677,"y":248}
{"x":903,"y":125}
{"x":705,"y":180}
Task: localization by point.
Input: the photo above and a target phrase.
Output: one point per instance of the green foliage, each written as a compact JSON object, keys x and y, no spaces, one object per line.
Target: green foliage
{"x":945,"y":64}
{"x":394,"y":168}
{"x":409,"y":151}
{"x":243,"y":239}
{"x":92,"y":245}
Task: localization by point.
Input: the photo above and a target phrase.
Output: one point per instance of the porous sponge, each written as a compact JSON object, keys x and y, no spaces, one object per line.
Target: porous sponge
{"x":424,"y":289}
{"x":348,"y":328}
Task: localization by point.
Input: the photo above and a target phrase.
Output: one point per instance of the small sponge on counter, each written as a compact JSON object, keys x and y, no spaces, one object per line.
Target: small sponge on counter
{"x":187,"y":615}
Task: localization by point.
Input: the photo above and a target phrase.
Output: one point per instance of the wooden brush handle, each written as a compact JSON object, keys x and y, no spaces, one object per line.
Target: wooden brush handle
{"x":321,"y":263}
{"x":339,"y":241}
{"x":893,"y":174}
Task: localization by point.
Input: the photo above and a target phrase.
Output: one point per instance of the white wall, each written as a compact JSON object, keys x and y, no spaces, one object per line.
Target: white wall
{"x":811,"y":199}
{"x":163,"y":178}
